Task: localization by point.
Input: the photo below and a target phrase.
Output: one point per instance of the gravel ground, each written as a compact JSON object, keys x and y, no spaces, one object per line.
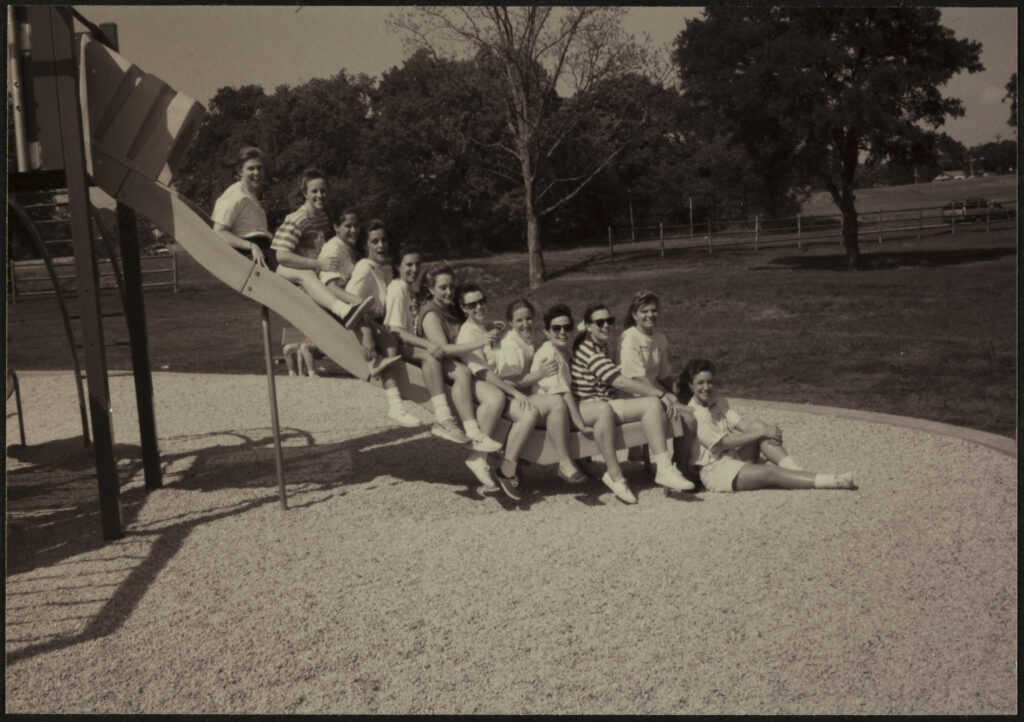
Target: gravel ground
{"x":391,"y":586}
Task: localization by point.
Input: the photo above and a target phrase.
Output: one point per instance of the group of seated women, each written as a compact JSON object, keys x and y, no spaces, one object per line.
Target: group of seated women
{"x":573,"y":381}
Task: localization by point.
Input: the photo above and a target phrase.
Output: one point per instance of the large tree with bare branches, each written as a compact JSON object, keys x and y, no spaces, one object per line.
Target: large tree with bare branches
{"x":544,"y":62}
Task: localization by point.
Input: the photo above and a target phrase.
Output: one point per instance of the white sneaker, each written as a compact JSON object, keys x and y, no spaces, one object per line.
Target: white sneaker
{"x":402,"y":416}
{"x":485,"y":444}
{"x":619,"y":488}
{"x":482,"y":471}
{"x":671,"y":478}
{"x":448,"y":429}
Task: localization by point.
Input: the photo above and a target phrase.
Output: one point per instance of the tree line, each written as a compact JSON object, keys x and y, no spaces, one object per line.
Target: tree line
{"x":525,"y":128}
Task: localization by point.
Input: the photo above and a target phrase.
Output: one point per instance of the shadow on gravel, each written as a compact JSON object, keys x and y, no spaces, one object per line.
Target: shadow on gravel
{"x":876,"y":261}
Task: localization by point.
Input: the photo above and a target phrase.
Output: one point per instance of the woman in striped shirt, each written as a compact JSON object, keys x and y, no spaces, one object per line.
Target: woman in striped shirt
{"x":595,"y":377}
{"x":297,"y":244}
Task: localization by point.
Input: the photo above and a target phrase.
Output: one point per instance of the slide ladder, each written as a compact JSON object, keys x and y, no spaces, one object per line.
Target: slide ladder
{"x":137,"y":132}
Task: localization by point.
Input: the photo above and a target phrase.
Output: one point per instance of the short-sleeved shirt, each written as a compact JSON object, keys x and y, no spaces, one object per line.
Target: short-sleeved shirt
{"x":561,"y":382}
{"x":400,"y":306}
{"x":303,"y":232}
{"x":481,"y":358}
{"x":239,"y":211}
{"x":370,"y":279}
{"x":713,"y":423}
{"x":338,"y":247}
{"x":513,"y":356}
{"x":643,"y":355}
{"x":593,"y":372}
{"x":449,"y":321}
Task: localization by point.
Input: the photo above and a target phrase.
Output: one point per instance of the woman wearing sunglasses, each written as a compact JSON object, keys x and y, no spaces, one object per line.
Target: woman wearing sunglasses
{"x":482,"y":364}
{"x":595,"y":377}
{"x":643,"y":357}
{"x":545,"y":377}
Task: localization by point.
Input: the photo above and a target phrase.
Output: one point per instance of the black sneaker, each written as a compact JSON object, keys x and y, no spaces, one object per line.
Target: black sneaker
{"x":510,"y":485}
{"x":356,"y":313}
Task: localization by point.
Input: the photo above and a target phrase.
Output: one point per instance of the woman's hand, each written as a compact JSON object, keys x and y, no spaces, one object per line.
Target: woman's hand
{"x":257,"y":255}
{"x":523,"y":400}
{"x":328,"y":264}
{"x":548,"y":367}
{"x":435,"y":350}
{"x":587,"y":431}
{"x":492,"y":337}
{"x":668,"y":402}
{"x":774,"y":435}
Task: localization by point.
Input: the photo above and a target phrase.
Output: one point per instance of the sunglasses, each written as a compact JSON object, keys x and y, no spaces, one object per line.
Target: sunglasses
{"x":602,"y":322}
{"x":471,"y":305}
{"x":560,"y":327}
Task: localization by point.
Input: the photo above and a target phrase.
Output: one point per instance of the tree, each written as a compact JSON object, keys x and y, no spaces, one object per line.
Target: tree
{"x":823,"y":88}
{"x":533,"y":53}
{"x":1011,"y":95}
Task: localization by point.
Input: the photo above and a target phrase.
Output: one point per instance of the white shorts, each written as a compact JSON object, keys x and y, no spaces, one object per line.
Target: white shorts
{"x":720,"y":473}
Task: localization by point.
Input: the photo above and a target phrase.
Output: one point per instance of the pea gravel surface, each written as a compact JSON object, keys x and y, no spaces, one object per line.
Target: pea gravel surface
{"x":391,"y":585}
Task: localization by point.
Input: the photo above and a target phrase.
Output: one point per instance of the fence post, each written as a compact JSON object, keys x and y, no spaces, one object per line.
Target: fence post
{"x":661,"y":238}
{"x":879,"y":227}
{"x":988,"y":216}
{"x":952,"y":218}
{"x":798,"y":243}
{"x":757,"y":223}
{"x":709,"y":234}
{"x":14,"y":283}
{"x":920,"y":221}
{"x":842,"y":226}
{"x":691,"y":216}
{"x":174,"y":269}
{"x":611,"y":251}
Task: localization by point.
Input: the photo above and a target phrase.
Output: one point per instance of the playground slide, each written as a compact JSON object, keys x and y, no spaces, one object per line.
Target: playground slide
{"x":137,"y":131}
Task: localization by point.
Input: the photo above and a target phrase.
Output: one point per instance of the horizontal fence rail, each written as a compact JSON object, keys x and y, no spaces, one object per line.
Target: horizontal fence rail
{"x":30,"y":278}
{"x":804,"y":231}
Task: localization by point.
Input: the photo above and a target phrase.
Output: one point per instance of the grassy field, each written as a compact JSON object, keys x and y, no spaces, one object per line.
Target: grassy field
{"x":928,"y":330}
{"x":1001,"y":188}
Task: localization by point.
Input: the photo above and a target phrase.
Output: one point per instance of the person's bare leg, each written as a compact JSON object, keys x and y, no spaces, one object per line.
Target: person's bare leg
{"x":599,"y":416}
{"x":523,"y":423}
{"x":462,"y":391}
{"x":556,"y":420}
{"x":759,"y":476}
{"x":491,"y":403}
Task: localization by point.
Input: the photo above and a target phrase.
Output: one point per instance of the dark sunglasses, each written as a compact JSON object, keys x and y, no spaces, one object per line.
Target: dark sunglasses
{"x":602,"y":322}
{"x":556,"y":327}
{"x":470,"y":305}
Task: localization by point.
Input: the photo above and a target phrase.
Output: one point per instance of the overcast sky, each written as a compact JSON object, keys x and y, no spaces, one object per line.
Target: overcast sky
{"x":198,"y":49}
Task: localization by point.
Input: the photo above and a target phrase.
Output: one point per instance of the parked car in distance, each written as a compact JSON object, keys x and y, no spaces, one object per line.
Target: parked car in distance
{"x":976,"y":209}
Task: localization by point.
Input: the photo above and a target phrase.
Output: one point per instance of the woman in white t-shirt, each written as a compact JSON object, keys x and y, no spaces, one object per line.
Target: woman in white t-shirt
{"x":730,"y":446}
{"x":482,"y":364}
{"x":643,"y":357}
{"x":516,"y":362}
{"x":238,"y":216}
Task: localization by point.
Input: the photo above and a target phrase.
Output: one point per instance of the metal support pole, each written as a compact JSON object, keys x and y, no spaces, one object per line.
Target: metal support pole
{"x":272,"y":393}
{"x":690,"y":200}
{"x":709,"y":235}
{"x":661,"y":238}
{"x":135,"y":319}
{"x":53,"y":31}
{"x":611,"y":251}
{"x":798,"y":243}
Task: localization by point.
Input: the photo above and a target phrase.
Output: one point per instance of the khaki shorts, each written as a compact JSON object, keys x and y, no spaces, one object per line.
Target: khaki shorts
{"x":720,"y":474}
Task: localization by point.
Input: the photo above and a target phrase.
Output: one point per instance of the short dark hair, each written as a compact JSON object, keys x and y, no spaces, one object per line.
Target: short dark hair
{"x":556,"y":311}
{"x":693,"y":367}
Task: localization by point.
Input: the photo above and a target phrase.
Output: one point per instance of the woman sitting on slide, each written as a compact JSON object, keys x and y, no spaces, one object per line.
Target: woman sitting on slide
{"x":730,"y":446}
{"x":595,"y":377}
{"x":297,"y":244}
{"x":438,"y":322}
{"x":643,"y":357}
{"x":238,"y":216}
{"x":546,"y":379}
{"x":481,"y":362}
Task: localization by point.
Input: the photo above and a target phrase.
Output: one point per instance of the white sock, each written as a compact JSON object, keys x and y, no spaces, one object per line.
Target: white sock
{"x":472,"y":428}
{"x":662,"y":460}
{"x":394,"y":397}
{"x":340,"y":308}
{"x":790,"y":463}
{"x":441,"y":410}
{"x":824,"y":481}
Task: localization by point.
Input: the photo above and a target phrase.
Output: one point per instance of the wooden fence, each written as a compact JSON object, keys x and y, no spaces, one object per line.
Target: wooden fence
{"x":804,"y":231}
{"x":30,"y":278}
